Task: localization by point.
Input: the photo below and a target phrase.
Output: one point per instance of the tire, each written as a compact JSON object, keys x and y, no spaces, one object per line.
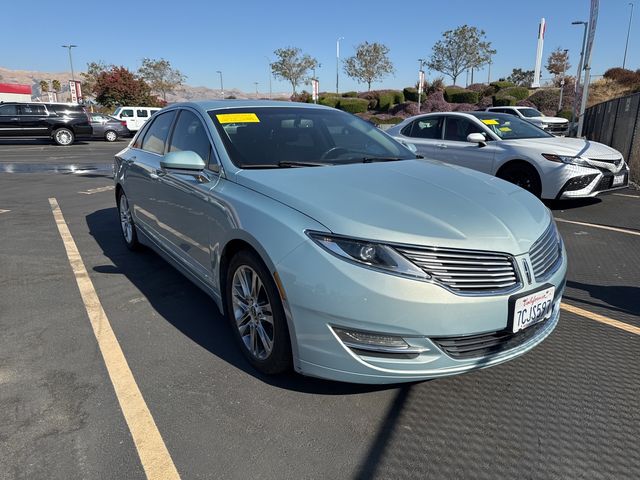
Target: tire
{"x":110,"y":136}
{"x":127,"y":227}
{"x":63,"y":137}
{"x":256,"y":315}
{"x":523,"y":175}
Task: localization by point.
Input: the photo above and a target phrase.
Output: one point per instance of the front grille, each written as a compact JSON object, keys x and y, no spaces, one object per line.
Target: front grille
{"x":557,"y":128}
{"x":615,"y":162}
{"x":546,"y":252}
{"x":474,"y":346}
{"x":469,"y":272}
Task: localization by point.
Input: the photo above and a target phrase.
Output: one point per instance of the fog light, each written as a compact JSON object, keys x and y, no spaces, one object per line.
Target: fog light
{"x":578,"y":183}
{"x":373,"y":341}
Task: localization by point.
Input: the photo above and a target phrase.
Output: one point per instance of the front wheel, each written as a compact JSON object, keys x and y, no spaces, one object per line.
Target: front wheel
{"x":522,"y":175}
{"x":256,"y":314}
{"x":63,"y":137}
{"x":110,"y":136}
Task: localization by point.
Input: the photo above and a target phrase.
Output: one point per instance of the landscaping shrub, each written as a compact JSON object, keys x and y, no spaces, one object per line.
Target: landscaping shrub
{"x":502,"y":84}
{"x":564,"y":114}
{"x":398,"y":96}
{"x":520,"y":93}
{"x":372,"y":97}
{"x":353,"y":105}
{"x":477,"y":87}
{"x":304,"y":97}
{"x":437,"y":85}
{"x":329,"y":101}
{"x":450,"y":91}
{"x":435,"y":103}
{"x":350,"y":94}
{"x":464,"y":107}
{"x":484,"y":103}
{"x":385,"y":119}
{"x":386,"y":98}
{"x":503,"y":101}
{"x":405,"y":109}
{"x":525,"y":103}
{"x":625,"y":77}
{"x":411,"y":94}
{"x":489,"y":91}
{"x":462,"y":96}
{"x":546,"y":99}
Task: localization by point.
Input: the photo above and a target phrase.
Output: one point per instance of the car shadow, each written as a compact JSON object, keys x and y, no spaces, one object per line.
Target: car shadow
{"x":559,"y":205}
{"x":620,"y":298}
{"x":39,"y":141}
{"x":179,"y":302}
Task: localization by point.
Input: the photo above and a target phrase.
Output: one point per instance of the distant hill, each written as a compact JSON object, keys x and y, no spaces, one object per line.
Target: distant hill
{"x":184,"y":93}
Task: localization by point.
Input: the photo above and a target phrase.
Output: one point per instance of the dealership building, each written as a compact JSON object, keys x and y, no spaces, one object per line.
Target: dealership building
{"x":14,"y":92}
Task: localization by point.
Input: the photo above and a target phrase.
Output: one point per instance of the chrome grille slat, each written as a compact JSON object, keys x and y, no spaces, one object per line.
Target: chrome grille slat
{"x":469,"y":272}
{"x":545,"y":253}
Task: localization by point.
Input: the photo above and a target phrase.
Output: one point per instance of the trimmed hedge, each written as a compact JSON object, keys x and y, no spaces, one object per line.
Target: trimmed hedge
{"x":564,"y":114}
{"x":385,"y":100}
{"x":463,"y":96}
{"x":398,"y":96}
{"x":502,"y":84}
{"x":520,"y":93}
{"x":385,"y":121}
{"x":350,"y":94}
{"x":353,"y":105}
{"x":505,"y":101}
{"x":329,"y":101}
{"x":450,"y":91}
{"x":411,"y":94}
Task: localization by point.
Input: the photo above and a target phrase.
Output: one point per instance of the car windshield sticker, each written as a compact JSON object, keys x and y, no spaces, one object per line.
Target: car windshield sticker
{"x":490,"y":121}
{"x":505,"y":129}
{"x":237,"y":118}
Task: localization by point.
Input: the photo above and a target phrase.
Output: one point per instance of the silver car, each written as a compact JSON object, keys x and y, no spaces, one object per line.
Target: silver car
{"x":331,"y":249}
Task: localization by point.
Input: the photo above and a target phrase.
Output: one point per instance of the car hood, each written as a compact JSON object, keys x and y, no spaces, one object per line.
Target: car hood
{"x":418,"y":202}
{"x":550,"y":120}
{"x":568,"y":146}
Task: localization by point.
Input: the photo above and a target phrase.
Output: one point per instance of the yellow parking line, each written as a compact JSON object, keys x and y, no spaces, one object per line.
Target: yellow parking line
{"x":602,"y":227}
{"x":601,"y":318}
{"x":153,"y":453}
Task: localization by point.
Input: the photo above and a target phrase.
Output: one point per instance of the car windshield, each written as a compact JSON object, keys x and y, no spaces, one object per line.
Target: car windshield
{"x":508,"y":127}
{"x":271,"y":137}
{"x":530,"y":112}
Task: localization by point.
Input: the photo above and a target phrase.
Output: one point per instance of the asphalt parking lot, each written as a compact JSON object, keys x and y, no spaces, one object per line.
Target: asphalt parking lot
{"x":568,"y":409}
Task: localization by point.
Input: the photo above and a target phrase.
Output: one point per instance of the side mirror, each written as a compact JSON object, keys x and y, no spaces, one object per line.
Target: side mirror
{"x":185,"y":160}
{"x":410,"y":146}
{"x":477,"y":138}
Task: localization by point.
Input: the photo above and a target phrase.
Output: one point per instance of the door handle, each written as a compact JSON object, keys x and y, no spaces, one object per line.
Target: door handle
{"x":157,"y":174}
{"x":441,"y":145}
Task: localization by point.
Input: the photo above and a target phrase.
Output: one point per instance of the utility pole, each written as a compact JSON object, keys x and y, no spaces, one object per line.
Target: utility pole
{"x":624,"y":61}
{"x":489,"y":74}
{"x":270,"y":75}
{"x":564,"y":68}
{"x":221,"y":86}
{"x":69,"y":47}
{"x":579,"y":74}
{"x":421,"y":62}
{"x":593,"y":18}
{"x":338,"y":62}
{"x":256,"y":84}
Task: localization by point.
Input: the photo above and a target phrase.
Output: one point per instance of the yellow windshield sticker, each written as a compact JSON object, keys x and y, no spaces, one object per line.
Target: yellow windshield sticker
{"x":490,"y":121}
{"x":237,"y":118}
{"x":504,"y":129}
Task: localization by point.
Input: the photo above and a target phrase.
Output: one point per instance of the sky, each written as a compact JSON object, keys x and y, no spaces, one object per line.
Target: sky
{"x":238,"y":38}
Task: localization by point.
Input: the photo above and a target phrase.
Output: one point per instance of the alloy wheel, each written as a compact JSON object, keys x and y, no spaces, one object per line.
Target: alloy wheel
{"x":125,"y":219}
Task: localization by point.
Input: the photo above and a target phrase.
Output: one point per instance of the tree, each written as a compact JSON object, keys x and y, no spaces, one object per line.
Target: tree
{"x":89,"y":77}
{"x":55,"y":85}
{"x":160,"y":76}
{"x":460,"y":49}
{"x":44,"y":86}
{"x":119,"y":86}
{"x":293,"y":66}
{"x":522,"y":78}
{"x":369,"y":64}
{"x":558,"y":62}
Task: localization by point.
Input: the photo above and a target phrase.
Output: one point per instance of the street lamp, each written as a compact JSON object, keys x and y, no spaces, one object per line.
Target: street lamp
{"x":256,"y":84}
{"x":313,"y":80}
{"x":338,"y":61}
{"x":270,"y":75}
{"x":421,"y":62}
{"x":69,"y":47}
{"x":564,"y":68}
{"x":579,"y":74}
{"x":624,"y":61}
{"x":221,"y":87}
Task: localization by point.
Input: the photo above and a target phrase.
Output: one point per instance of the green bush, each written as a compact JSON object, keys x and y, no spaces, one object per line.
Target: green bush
{"x":502,"y":84}
{"x":329,"y":101}
{"x":353,"y":105}
{"x":411,"y":94}
{"x":398,"y":96}
{"x":564,"y":114}
{"x":504,"y":101}
{"x":450,"y":91}
{"x":520,"y":93}
{"x":350,"y":94}
{"x":488,"y":91}
{"x":385,"y":100}
{"x":462,"y":96}
{"x":385,"y":121}
{"x":546,"y":99}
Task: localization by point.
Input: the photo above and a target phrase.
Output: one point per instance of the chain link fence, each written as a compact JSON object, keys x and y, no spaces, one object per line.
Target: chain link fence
{"x":617,"y":123}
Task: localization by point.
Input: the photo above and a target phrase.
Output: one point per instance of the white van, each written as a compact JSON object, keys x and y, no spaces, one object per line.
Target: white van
{"x":134,"y":116}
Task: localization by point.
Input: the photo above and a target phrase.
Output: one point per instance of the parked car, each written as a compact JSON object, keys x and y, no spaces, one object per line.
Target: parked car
{"x":554,"y":125}
{"x":331,"y":248}
{"x":108,"y":127}
{"x":517,"y":151}
{"x":62,"y":122}
{"x":134,"y":116}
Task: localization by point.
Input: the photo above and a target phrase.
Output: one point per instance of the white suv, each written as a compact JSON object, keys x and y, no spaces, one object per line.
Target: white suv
{"x":516,"y":151}
{"x":555,"y":125}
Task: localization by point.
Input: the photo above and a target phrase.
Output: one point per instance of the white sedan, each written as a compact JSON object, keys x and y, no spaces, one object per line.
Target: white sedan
{"x":517,"y":151}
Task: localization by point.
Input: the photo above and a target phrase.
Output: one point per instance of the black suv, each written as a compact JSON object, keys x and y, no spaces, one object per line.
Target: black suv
{"x":62,"y":122}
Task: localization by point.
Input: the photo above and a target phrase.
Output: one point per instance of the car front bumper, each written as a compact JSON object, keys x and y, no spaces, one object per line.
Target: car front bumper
{"x":323,"y":292}
{"x":598,"y":181}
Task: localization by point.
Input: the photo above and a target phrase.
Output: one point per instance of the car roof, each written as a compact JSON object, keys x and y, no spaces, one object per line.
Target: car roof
{"x":222,"y":104}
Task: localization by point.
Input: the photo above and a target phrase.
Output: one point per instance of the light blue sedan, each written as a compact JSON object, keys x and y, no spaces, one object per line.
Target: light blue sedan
{"x":332,"y":250}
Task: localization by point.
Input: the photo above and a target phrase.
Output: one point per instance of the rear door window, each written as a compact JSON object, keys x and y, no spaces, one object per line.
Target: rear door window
{"x":156,"y":136}
{"x":428,"y":128}
{"x":32,"y":110}
{"x":126,"y":113}
{"x":142,"y":113}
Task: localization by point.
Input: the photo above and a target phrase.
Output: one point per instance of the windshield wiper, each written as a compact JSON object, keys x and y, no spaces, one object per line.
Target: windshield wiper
{"x":294,"y":163}
{"x":382,"y":159}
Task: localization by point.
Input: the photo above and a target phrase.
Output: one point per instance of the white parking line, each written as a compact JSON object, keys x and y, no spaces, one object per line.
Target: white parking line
{"x":626,"y":195}
{"x":153,"y":453}
{"x":602,"y":227}
{"x":91,"y":191}
{"x":4,"y":211}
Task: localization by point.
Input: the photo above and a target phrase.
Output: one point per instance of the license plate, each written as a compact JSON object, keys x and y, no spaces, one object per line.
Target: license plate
{"x":533,"y":308}
{"x":617,"y":180}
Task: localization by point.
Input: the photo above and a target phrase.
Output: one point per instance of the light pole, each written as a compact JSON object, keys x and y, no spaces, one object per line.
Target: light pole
{"x":338,"y":61}
{"x":564,"y":68}
{"x":489,"y":73}
{"x":69,"y":47}
{"x":313,"y":80}
{"x":256,"y":84}
{"x":624,"y":61}
{"x":421,"y":62}
{"x":270,"y":74}
{"x":579,"y":74}
{"x":221,"y":87}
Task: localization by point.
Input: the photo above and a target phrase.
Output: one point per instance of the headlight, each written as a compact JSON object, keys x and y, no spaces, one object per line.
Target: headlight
{"x":565,"y":159}
{"x":369,"y":254}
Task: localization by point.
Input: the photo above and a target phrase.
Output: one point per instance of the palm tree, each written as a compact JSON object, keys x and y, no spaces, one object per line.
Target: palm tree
{"x":44,"y":86}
